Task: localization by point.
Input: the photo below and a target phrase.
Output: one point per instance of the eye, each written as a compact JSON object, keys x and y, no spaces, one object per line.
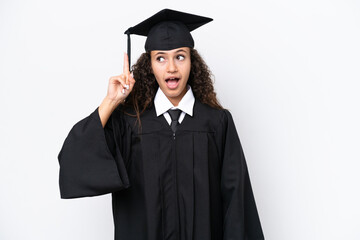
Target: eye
{"x":160,"y":59}
{"x":180,"y":57}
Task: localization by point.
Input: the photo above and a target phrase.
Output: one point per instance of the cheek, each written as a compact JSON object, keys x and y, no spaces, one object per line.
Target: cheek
{"x":187,"y":68}
{"x":158,"y":74}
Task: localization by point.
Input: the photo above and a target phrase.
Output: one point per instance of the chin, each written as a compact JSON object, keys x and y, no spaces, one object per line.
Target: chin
{"x":173,"y":95}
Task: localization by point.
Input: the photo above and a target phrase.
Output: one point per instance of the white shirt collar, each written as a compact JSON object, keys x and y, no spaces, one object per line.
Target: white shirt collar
{"x":162,"y":103}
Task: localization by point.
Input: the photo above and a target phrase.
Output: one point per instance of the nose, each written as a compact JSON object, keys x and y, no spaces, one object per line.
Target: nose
{"x":171,"y":67}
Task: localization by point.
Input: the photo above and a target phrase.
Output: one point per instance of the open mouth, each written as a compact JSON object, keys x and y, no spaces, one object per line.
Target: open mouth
{"x":172,"y":83}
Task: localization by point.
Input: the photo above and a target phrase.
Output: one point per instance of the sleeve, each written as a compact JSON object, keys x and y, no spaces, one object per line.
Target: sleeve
{"x":90,"y":160}
{"x":241,"y":220}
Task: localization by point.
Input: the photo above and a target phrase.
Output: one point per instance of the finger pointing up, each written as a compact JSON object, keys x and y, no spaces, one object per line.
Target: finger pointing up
{"x":126,"y":65}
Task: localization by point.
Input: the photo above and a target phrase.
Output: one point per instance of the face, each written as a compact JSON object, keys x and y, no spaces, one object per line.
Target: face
{"x":172,"y":69}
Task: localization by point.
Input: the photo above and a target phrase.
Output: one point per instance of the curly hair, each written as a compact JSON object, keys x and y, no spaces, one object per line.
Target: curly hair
{"x":146,"y":86}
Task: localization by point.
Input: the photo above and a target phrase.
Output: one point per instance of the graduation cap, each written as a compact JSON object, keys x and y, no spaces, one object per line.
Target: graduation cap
{"x":167,"y":30}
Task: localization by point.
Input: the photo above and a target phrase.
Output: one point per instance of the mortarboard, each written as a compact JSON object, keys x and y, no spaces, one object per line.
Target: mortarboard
{"x":166,"y":30}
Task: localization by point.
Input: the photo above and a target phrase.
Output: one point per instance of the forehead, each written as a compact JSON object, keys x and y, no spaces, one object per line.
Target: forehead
{"x":172,"y":51}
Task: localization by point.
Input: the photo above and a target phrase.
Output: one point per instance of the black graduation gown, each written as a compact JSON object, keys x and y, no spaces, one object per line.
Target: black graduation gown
{"x":191,"y":186}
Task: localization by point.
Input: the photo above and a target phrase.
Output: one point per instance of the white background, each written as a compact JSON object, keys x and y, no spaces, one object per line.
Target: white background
{"x":287,"y":70}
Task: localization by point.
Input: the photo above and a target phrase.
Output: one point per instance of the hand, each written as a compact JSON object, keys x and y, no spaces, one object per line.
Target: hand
{"x":120,"y":86}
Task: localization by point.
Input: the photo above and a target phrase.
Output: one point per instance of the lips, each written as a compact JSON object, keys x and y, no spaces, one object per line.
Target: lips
{"x":172,"y":82}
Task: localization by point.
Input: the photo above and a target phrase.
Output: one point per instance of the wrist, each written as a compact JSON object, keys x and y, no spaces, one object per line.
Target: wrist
{"x":111,"y":102}
{"x":108,"y":106}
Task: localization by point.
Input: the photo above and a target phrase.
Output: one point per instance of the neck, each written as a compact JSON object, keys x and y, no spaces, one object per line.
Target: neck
{"x":176,"y":100}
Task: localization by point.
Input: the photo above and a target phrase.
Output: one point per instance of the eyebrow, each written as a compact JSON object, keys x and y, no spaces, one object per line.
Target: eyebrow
{"x":158,"y":53}
{"x":180,"y":50}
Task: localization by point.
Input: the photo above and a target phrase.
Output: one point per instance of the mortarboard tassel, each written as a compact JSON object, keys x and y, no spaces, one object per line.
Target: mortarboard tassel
{"x":129,"y":49}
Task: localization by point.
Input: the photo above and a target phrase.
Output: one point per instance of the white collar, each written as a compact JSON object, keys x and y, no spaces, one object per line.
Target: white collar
{"x":163,"y":104}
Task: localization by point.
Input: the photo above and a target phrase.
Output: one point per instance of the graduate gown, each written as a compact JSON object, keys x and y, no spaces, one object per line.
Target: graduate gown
{"x":191,"y":185}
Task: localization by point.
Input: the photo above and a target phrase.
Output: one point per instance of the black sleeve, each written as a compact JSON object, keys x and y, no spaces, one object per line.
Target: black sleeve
{"x":90,"y":160}
{"x":241,"y":220}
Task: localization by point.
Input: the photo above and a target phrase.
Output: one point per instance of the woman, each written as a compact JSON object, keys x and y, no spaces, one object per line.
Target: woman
{"x":163,"y":146}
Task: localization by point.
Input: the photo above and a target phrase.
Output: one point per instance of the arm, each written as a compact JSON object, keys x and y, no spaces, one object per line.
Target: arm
{"x":106,"y":109}
{"x":241,"y":220}
{"x":91,"y":162}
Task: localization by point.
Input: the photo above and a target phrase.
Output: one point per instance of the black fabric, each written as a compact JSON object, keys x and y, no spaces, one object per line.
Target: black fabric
{"x":195,"y":186}
{"x":166,"y":30}
{"x":174,"y":114}
{"x":169,"y":35}
{"x":191,"y":21}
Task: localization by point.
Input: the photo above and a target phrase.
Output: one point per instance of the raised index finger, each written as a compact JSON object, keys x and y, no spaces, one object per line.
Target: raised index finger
{"x":126,"y":64}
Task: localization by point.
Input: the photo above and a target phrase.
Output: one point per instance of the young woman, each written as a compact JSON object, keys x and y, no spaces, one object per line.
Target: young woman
{"x":163,"y":146}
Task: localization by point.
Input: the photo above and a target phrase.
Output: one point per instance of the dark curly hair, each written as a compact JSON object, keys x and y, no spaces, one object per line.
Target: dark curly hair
{"x":146,"y":86}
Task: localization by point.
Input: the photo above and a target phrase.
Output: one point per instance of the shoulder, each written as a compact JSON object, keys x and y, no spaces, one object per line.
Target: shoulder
{"x":214,"y":115}
{"x":147,"y":120}
{"x":121,"y":119}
